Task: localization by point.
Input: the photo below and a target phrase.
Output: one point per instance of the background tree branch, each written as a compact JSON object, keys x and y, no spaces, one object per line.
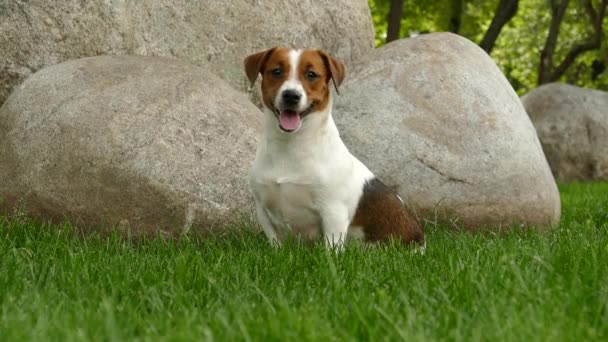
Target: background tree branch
{"x":547,"y":73}
{"x":558,"y":9}
{"x":506,"y":10}
{"x":594,"y":42}
{"x":394,"y":20}
{"x":455,"y":20}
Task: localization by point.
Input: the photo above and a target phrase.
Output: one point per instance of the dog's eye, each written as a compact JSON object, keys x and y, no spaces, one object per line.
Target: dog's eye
{"x":276,"y":72}
{"x":311,"y":75}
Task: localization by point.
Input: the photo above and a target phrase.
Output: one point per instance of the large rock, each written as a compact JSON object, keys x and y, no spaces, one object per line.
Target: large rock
{"x":217,"y":34}
{"x":572,"y":125}
{"x":149,"y":143}
{"x":435,"y":118}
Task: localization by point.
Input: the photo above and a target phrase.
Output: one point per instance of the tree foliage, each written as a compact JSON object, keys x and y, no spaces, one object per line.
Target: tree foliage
{"x":518,"y":46}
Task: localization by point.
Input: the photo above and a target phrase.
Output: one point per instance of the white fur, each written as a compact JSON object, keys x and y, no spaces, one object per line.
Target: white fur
{"x":306,"y":182}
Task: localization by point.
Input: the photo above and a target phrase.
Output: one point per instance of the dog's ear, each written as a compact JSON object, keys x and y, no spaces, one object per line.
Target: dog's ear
{"x":255,"y":63}
{"x":337,"y":71}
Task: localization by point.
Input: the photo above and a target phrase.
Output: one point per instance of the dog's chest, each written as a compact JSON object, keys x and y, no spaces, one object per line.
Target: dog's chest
{"x":294,"y":183}
{"x":289,"y":185}
{"x":290,"y":206}
{"x":288,"y":201}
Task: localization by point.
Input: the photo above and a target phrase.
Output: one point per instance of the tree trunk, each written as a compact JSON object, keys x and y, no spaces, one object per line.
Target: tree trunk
{"x":558,"y":9}
{"x":504,"y":13}
{"x":546,"y":71}
{"x":456,"y":16}
{"x":593,"y":43}
{"x":394,"y":20}
{"x":597,"y":68}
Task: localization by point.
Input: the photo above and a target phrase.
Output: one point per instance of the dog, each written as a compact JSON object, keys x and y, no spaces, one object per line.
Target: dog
{"x":304,"y":180}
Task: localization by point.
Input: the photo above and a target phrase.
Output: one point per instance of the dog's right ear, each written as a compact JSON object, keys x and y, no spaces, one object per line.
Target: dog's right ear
{"x":255,"y":63}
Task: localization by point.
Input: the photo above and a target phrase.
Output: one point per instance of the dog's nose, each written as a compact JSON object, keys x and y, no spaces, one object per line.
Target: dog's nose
{"x":291,"y":97}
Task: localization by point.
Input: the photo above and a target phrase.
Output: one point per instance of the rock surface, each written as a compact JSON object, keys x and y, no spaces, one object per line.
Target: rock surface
{"x":572,"y":125}
{"x":434,"y":117}
{"x":215,"y":34}
{"x":149,"y":143}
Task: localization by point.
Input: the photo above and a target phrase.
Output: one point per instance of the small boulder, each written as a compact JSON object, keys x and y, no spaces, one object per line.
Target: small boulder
{"x":149,"y":143}
{"x":572,"y":125}
{"x":435,"y":118}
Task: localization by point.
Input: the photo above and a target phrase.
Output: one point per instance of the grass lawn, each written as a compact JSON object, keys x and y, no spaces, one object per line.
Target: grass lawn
{"x":518,"y":286}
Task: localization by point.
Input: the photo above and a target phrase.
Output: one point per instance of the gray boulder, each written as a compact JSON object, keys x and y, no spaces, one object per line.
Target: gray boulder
{"x":434,"y":117}
{"x":215,"y":34}
{"x":148,"y":143}
{"x":572,"y":125}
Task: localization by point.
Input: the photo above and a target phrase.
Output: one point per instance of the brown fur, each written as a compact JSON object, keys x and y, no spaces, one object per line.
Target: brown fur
{"x":382,"y":216}
{"x":336,"y":69}
{"x":317,"y":90}
{"x":327,"y":67}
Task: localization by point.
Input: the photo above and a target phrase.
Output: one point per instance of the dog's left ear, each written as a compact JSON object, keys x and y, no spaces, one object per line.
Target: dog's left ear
{"x":336,"y":69}
{"x":255,"y":63}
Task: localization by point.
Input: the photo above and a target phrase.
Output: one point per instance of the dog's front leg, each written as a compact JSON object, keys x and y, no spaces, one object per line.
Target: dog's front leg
{"x":335,"y":225}
{"x":267,"y":226}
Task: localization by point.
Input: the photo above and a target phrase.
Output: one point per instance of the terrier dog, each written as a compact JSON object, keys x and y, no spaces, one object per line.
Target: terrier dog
{"x":304,"y":180}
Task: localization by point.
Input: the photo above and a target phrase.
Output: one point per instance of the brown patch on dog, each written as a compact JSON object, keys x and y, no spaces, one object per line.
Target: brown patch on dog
{"x":317,"y":88}
{"x":254,"y":64}
{"x":264,"y":63}
{"x":270,"y":82}
{"x":336,"y":69}
{"x":382,"y":216}
{"x":325,"y":68}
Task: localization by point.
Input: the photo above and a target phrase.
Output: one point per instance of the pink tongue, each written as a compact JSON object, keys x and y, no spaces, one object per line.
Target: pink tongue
{"x":289,"y":120}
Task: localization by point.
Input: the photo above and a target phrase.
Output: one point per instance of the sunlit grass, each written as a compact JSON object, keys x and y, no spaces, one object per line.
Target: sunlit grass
{"x":516,"y":286}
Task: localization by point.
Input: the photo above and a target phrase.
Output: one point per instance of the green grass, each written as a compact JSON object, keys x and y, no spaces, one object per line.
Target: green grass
{"x":516,"y":286}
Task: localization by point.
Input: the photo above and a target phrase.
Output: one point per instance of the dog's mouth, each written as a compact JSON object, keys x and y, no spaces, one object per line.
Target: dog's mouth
{"x":290,"y":120}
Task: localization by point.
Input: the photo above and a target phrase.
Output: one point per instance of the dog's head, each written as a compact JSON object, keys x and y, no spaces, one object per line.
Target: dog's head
{"x":295,"y":83}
